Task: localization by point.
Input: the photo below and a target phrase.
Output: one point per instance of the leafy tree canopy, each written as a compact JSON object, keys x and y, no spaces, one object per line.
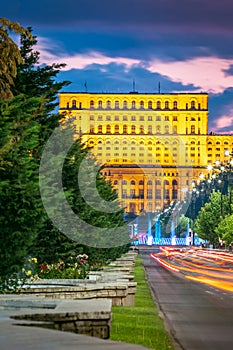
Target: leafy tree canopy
{"x":210,"y":215}
{"x":224,"y":230}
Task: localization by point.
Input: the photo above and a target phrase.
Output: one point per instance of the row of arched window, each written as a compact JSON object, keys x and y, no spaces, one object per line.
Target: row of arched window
{"x":219,"y":143}
{"x":149,"y":183}
{"x":134,"y":142}
{"x":167,"y":105}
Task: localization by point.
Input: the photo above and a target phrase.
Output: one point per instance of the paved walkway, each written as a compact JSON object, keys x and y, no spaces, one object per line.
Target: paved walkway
{"x":16,"y":337}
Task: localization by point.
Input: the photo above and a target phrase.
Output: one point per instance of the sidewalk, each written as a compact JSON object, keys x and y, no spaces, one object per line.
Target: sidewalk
{"x":16,"y":337}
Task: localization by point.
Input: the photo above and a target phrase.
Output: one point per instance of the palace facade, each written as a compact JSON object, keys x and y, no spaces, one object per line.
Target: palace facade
{"x":152,"y":145}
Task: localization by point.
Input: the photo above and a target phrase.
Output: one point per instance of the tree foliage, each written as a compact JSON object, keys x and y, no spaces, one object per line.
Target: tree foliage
{"x":84,"y":201}
{"x":21,"y":210}
{"x":224,"y":230}
{"x":26,"y":122}
{"x":28,"y":96}
{"x":210,"y":216}
{"x":10,"y":56}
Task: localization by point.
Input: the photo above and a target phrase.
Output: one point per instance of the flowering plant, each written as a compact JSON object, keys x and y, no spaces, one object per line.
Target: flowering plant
{"x":76,"y":267}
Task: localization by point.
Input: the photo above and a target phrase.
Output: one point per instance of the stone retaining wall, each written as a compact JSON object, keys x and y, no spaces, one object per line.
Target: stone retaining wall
{"x":114,"y":282}
{"x":89,"y":317}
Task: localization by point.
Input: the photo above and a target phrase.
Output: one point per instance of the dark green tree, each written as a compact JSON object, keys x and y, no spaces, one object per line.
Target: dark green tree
{"x":84,"y":200}
{"x":21,"y":209}
{"x":10,"y":55}
{"x":26,"y":122}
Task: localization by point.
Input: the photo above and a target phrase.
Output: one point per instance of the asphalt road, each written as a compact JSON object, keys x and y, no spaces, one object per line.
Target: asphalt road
{"x":198,"y":317}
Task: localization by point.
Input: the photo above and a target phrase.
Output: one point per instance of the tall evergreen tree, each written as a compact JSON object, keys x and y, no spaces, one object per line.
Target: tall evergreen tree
{"x":10,"y":56}
{"x":21,"y":210}
{"x":92,"y":228}
{"x":26,"y":121}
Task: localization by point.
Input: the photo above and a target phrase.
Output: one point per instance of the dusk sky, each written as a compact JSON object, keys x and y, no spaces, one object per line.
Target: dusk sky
{"x":186,"y":45}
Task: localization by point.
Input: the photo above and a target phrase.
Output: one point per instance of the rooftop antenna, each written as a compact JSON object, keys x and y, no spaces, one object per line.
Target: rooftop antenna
{"x":133,"y":85}
{"x":85,"y":86}
{"x":159,"y":87}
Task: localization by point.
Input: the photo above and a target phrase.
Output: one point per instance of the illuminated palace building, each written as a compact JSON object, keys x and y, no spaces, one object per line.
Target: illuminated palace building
{"x":152,"y":145}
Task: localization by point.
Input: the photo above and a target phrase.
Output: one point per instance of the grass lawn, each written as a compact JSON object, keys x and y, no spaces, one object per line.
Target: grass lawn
{"x":140,"y":324}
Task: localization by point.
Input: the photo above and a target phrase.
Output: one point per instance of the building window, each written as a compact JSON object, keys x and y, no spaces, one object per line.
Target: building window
{"x":166,"y":104}
{"x":125,"y":105}
{"x":142,"y":104}
{"x":158,"y":118}
{"x":149,"y":129}
{"x":158,"y":194}
{"x":92,"y":104}
{"x":141,"y":193}
{"x":141,"y":129}
{"x":91,"y":117}
{"x":133,"y":129}
{"x":132,"y":193}
{"x":175,"y":105}
{"x":108,"y":105}
{"x":166,"y":118}
{"x":133,"y":104}
{"x":124,"y":193}
{"x":158,"y":129}
{"x":174,"y":118}
{"x":158,"y":105}
{"x":193,"y":106}
{"x":100,"y":104}
{"x":108,"y":129}
{"x":166,"y":194}
{"x":100,"y":117}
{"x":116,"y":104}
{"x":174,"y":189}
{"x":149,"y":194}
{"x":100,"y":129}
{"x":192,"y":129}
{"x":125,"y":129}
{"x":74,"y":104}
{"x":150,"y":119}
{"x":141,"y":118}
{"x":166,"y":129}
{"x":116,"y":129}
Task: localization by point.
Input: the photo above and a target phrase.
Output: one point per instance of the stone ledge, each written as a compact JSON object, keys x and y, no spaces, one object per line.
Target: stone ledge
{"x":115,"y":283}
{"x":89,"y":317}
